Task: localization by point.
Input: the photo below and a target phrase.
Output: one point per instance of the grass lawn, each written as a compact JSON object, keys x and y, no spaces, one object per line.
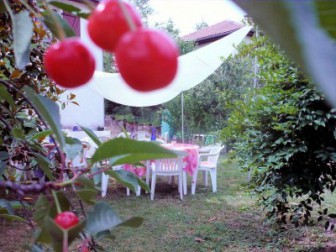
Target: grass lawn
{"x":227,"y":220}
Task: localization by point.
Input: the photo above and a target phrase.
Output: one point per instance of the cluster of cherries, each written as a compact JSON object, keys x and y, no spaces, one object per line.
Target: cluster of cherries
{"x":145,"y":58}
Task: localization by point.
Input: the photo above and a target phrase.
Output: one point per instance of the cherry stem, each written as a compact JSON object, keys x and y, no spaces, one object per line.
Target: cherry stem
{"x":65,"y":241}
{"x":58,"y":206}
{"x":127,"y":15}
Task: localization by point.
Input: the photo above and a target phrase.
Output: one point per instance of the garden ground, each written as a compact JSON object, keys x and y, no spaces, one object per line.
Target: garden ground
{"x":228,"y":220}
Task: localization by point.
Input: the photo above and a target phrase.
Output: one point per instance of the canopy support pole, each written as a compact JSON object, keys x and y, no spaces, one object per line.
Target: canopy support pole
{"x":182,"y":115}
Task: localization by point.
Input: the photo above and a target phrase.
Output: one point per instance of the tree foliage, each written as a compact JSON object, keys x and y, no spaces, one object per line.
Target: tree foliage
{"x":207,"y":106}
{"x":284,"y":132}
{"x":19,"y":122}
{"x":29,"y":113}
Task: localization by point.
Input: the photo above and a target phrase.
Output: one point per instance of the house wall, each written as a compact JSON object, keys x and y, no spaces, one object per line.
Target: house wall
{"x":90,"y":112}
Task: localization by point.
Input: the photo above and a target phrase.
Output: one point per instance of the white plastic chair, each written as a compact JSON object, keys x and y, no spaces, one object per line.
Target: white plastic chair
{"x":123,"y":134}
{"x":141,"y":136}
{"x":207,"y":163}
{"x":138,"y":191}
{"x":167,"y":167}
{"x":105,"y":177}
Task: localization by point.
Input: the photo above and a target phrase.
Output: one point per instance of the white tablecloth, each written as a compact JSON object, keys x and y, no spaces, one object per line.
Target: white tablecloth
{"x":81,"y":134}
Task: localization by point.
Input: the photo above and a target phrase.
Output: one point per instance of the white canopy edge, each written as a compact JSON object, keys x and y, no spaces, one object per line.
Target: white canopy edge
{"x":193,"y":68}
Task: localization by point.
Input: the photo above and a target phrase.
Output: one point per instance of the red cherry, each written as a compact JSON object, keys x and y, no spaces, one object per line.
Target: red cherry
{"x":108,"y":23}
{"x":66,"y":219}
{"x":69,"y":63}
{"x":147,"y":59}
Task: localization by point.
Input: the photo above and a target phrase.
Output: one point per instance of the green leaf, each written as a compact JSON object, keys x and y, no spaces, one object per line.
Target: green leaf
{"x":124,"y":150}
{"x":70,"y":8}
{"x":49,"y":112}
{"x":22,"y":34}
{"x":143,"y":184}
{"x":42,"y":208}
{"x":3,"y":8}
{"x":42,"y":236}
{"x":2,"y":167}
{"x":326,"y":14}
{"x":18,"y":132}
{"x":126,"y":178}
{"x":55,"y":22}
{"x":72,"y":148}
{"x":12,"y":217}
{"x":102,"y":218}
{"x":85,"y":181}
{"x":4,"y":155}
{"x":64,"y":203}
{"x":87,"y":195}
{"x":4,"y":95}
{"x":6,"y":205}
{"x":293,"y":24}
{"x":92,"y":135}
{"x":56,"y":233}
{"x":41,"y":134}
{"x":132,"y":222}
{"x":44,"y":164}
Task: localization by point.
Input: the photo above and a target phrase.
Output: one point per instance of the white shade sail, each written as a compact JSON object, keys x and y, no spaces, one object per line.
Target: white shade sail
{"x":193,"y":68}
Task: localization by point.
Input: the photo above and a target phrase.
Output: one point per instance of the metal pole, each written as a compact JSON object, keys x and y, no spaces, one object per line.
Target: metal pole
{"x":255,"y":80}
{"x":182,"y":117}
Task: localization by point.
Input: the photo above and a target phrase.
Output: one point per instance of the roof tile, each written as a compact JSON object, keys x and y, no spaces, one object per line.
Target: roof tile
{"x":216,"y":30}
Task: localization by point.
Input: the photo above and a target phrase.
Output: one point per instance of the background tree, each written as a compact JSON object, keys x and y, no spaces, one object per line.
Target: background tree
{"x":207,"y":106}
{"x":201,"y":25}
{"x":284,"y":133}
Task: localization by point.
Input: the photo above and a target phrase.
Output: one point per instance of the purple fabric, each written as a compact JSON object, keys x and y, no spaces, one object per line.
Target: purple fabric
{"x":73,"y":21}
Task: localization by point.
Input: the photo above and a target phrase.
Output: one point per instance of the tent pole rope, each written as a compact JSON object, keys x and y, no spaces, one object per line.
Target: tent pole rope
{"x":182,"y":115}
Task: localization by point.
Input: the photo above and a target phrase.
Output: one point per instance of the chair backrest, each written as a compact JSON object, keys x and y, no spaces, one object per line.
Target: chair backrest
{"x":169,"y":165}
{"x":215,"y":150}
{"x":103,"y":139}
{"x":123,"y":134}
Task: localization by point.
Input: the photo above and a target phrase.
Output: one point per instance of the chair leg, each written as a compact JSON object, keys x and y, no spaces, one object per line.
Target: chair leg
{"x":185,"y":183}
{"x":104,"y":184}
{"x":213,"y":175}
{"x":128,"y":191}
{"x":180,"y":185}
{"x":205,"y":178}
{"x":148,"y":174}
{"x":138,"y":192}
{"x":153,"y":185}
{"x":194,"y":182}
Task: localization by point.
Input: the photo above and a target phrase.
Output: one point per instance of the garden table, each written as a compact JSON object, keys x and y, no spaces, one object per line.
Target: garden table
{"x":190,"y":161}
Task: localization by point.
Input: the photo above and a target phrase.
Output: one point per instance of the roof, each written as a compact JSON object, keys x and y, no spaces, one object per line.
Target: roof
{"x":213,"y":32}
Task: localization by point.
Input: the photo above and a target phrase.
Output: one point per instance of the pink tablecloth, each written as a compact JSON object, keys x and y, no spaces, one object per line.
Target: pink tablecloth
{"x":189,"y":161}
{"x":137,"y":170}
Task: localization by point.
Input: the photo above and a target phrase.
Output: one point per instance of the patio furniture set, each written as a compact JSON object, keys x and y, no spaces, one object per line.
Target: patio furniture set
{"x":193,"y":161}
